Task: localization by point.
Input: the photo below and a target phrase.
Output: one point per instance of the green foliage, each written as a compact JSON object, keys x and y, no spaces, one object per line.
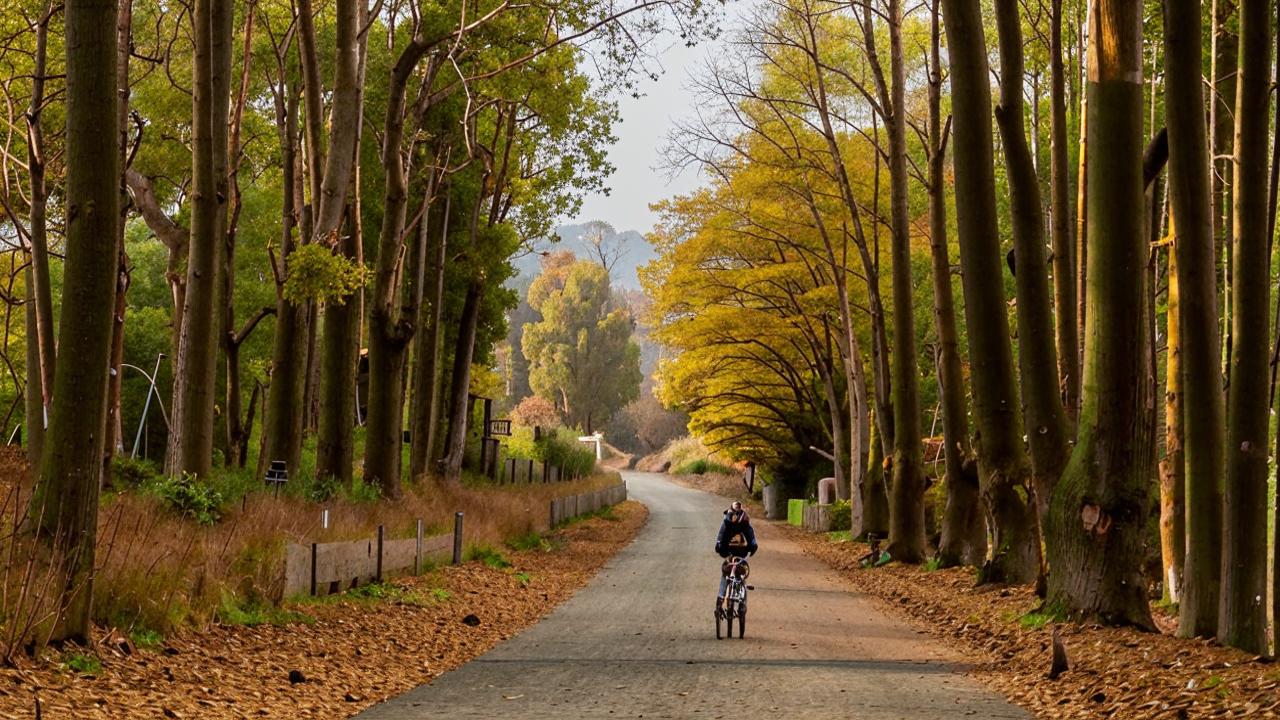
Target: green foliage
{"x":82,"y":663}
{"x":254,"y":612}
{"x":702,"y":466}
{"x":146,"y":638}
{"x":841,"y":516}
{"x":190,"y":497}
{"x":127,"y":472}
{"x":1035,"y":620}
{"x":523,"y":578}
{"x":362,"y":492}
{"x":487,"y":555}
{"x":559,"y":447}
{"x":317,"y":274}
{"x":581,"y":355}
{"x":531,"y":540}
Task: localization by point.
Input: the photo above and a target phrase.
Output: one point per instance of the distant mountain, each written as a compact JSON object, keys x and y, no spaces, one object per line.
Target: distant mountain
{"x":634,"y":251}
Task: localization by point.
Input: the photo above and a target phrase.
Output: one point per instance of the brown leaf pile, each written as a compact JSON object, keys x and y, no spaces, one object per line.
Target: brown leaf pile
{"x":1116,"y":673}
{"x":355,"y":654}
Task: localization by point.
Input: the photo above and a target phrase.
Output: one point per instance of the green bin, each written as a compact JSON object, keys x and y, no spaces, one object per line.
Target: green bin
{"x":795,"y":512}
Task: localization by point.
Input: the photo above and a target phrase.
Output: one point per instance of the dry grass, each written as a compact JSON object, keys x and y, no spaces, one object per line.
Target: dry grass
{"x":159,"y":571}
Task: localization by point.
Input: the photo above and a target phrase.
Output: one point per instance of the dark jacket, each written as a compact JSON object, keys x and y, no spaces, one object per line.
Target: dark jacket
{"x":728,"y":529}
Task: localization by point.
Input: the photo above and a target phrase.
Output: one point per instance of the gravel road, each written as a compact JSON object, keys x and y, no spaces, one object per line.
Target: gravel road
{"x":639,"y":642}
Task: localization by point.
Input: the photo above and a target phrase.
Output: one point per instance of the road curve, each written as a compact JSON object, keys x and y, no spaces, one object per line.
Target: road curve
{"x":639,"y":642}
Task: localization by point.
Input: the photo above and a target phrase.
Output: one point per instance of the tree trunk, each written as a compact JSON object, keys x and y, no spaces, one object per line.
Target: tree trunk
{"x":43,"y":328}
{"x":875,"y":496}
{"x":1064,"y":288}
{"x":335,"y":448}
{"x":1096,"y":520}
{"x":964,"y":535}
{"x":1190,"y":198}
{"x":460,"y":382}
{"x":282,"y":420}
{"x":1242,"y":620}
{"x":195,"y":372}
{"x":1173,"y":508}
{"x":338,"y":369}
{"x":906,"y":522}
{"x":65,"y":504}
{"x":1037,"y":356}
{"x":424,"y":432}
{"x":33,"y":392}
{"x":1002,"y":461}
{"x":114,"y":431}
{"x":1222,"y":98}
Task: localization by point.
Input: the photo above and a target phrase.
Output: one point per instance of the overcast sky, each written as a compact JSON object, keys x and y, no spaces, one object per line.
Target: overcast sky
{"x":641,"y":133}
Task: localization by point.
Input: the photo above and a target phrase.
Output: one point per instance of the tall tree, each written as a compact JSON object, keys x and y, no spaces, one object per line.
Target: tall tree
{"x":1242,"y":620}
{"x":335,"y":448}
{"x":1190,"y":199}
{"x":65,"y":504}
{"x":1096,"y":519}
{"x":1002,"y":461}
{"x":1173,"y":506}
{"x":195,"y":371}
{"x":1064,"y":276}
{"x":1046,"y":420}
{"x":964,"y":533}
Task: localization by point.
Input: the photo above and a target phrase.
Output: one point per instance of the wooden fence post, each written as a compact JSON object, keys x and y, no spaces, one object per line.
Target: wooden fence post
{"x":313,"y":569}
{"x":457,"y":538}
{"x":377,"y":576}
{"x":417,"y":554}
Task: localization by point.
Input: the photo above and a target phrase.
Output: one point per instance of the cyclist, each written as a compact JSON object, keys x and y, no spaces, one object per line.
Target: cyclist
{"x":735,"y":541}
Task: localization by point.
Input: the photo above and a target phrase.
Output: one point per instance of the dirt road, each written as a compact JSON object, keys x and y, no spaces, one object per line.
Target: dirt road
{"x":639,"y":642}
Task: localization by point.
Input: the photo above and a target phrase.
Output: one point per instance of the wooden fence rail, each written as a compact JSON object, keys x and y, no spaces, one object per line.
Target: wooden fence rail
{"x":571,"y":506}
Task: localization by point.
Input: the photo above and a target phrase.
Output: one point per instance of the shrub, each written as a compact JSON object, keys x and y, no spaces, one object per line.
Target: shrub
{"x":841,"y":516}
{"x":559,"y":447}
{"x":190,"y":497}
{"x":129,"y":472}
{"x":702,"y":466}
{"x":488,"y":556}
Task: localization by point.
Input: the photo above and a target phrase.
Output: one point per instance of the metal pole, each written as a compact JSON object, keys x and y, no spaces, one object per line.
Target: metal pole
{"x":142,"y":421}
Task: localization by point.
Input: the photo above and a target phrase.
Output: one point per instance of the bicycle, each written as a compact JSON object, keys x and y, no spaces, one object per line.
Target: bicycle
{"x":736,"y":570}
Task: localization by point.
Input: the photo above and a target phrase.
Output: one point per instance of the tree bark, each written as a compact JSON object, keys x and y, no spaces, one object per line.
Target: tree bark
{"x":425,"y":421}
{"x":65,"y":504}
{"x":33,"y":392}
{"x":173,"y":236}
{"x":1002,"y":461}
{"x":195,"y":371}
{"x":875,"y":495}
{"x":335,"y":449}
{"x":1173,"y":507}
{"x":1222,"y":97}
{"x":1064,"y":288}
{"x":283,"y":418}
{"x":1096,"y":520}
{"x":906,"y":511}
{"x":114,"y":432}
{"x":391,"y":318}
{"x":964,"y":533}
{"x":43,"y":328}
{"x":1242,"y":620}
{"x":1191,"y":201}
{"x":1049,"y":436}
{"x":460,"y":382}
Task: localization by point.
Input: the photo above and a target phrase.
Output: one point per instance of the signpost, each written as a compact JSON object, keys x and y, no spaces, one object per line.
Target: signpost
{"x":499,"y":427}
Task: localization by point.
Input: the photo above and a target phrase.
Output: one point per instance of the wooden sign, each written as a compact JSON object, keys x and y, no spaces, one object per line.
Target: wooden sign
{"x":499,"y":427}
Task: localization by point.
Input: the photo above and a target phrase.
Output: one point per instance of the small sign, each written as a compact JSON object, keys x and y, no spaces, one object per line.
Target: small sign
{"x":499,"y":427}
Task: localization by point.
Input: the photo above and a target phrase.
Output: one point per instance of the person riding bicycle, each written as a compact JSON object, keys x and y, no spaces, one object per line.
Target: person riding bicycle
{"x":735,"y":541}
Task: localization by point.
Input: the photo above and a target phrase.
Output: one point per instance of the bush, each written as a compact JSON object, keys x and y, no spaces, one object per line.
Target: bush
{"x":702,"y":466}
{"x":190,"y":497}
{"x":129,"y":472}
{"x":559,"y":448}
{"x":841,"y":516}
